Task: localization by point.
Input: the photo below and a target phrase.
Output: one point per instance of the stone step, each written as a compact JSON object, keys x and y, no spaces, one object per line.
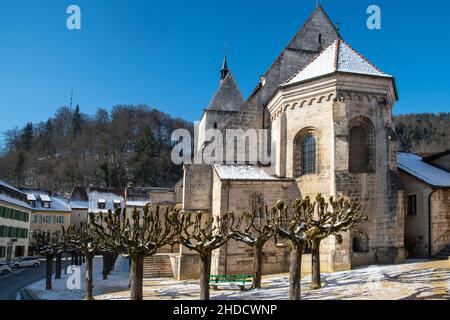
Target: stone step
{"x":158,"y":267}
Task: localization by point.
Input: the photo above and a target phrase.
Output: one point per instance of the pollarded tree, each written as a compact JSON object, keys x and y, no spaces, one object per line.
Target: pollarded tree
{"x":49,"y":245}
{"x":256,"y":229}
{"x":329,"y":218}
{"x":84,"y":240}
{"x":292,"y":227}
{"x":203,"y":236}
{"x":135,"y":237}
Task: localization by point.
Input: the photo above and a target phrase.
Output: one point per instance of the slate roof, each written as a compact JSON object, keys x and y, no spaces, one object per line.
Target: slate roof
{"x":228,"y":97}
{"x":415,"y":166}
{"x":338,"y":57}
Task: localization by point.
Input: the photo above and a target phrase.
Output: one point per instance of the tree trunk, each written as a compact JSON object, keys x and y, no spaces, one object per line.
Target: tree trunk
{"x":84,"y":258}
{"x":205,"y":269}
{"x":137,"y":277}
{"x":49,"y":272}
{"x":58,"y":266}
{"x":89,"y":279}
{"x":76,"y":259}
{"x":295,"y":270}
{"x":257,"y":266}
{"x":111,"y":263}
{"x":315,"y":264}
{"x":65,"y":264}
{"x":72,"y":258}
{"x":105,"y":266}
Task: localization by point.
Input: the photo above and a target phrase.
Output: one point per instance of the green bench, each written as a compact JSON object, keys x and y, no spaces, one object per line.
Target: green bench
{"x":242,"y":281}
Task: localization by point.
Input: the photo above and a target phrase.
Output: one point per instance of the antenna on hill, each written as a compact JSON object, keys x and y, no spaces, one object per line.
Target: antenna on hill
{"x":71,"y":100}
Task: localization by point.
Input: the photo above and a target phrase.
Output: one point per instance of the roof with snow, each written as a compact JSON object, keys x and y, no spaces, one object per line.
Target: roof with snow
{"x":9,"y":187}
{"x":79,"y":204}
{"x":10,"y":200}
{"x":244,"y":173}
{"x":56,"y":204}
{"x":338,"y":57}
{"x":415,"y":166}
{"x":228,"y":97}
{"x":108,"y":198}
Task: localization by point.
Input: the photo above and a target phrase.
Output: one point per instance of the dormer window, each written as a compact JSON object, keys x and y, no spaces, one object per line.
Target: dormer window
{"x":31,"y":200}
{"x":101,"y":204}
{"x":45,"y":201}
{"x":117,"y":204}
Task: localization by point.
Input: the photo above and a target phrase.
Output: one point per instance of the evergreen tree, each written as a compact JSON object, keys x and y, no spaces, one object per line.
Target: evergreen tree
{"x":20,"y":167}
{"x":75,"y":126}
{"x":26,"y":137}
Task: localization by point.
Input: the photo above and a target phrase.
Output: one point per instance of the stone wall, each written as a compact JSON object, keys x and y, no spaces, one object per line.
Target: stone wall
{"x":197,"y":188}
{"x":440,"y":219}
{"x":236,"y":197}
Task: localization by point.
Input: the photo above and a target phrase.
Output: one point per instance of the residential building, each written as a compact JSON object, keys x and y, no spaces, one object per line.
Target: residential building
{"x":14,"y":222}
{"x":50,"y":213}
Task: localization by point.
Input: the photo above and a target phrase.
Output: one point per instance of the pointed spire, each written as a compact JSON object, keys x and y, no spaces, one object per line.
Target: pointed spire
{"x":224,"y":70}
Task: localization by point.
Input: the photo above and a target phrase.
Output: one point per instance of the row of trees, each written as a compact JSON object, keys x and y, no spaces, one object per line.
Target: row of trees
{"x":144,"y":233}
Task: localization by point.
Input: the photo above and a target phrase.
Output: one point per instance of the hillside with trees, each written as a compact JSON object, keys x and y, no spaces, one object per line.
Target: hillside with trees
{"x":130,"y":144}
{"x":423,"y":133}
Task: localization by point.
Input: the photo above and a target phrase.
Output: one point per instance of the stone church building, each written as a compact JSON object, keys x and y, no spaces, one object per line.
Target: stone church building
{"x":328,"y":111}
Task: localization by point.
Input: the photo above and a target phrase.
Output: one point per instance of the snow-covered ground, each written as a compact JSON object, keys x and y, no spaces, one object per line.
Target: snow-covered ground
{"x":117,"y":281}
{"x":412,"y":280}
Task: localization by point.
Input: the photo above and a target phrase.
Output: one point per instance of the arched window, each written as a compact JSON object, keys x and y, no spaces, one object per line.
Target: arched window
{"x":306,"y":153}
{"x":309,"y":155}
{"x":361,"y":148}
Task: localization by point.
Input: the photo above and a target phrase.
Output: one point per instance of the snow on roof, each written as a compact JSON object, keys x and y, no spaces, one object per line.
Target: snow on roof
{"x":45,"y":197}
{"x":108,"y":198}
{"x":244,"y":172}
{"x":339,"y":56}
{"x":57,"y":204}
{"x":137,"y":203}
{"x":78,"y":204}
{"x":31,"y":197}
{"x":415,"y":166}
{"x":10,"y":200}
{"x":10,"y":187}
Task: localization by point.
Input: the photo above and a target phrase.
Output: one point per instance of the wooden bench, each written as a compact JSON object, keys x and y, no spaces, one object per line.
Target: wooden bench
{"x":242,"y":281}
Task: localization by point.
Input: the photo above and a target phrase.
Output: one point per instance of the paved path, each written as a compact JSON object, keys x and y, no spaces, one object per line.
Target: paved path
{"x":11,"y":284}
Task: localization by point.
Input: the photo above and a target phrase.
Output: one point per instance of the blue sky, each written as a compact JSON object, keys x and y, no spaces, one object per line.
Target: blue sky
{"x":167,"y":54}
